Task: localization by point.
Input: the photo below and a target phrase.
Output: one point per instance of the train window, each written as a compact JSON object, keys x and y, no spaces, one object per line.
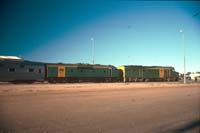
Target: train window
{"x":30,"y":70}
{"x":81,"y":70}
{"x":104,"y":71}
{"x":92,"y":70}
{"x":11,"y":70}
{"x":1,"y":65}
{"x":71,"y":70}
{"x":39,"y":71}
{"x":21,"y":66}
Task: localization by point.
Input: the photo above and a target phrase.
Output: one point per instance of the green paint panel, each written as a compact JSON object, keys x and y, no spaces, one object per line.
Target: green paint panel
{"x":52,"y":72}
{"x":90,"y":72}
{"x":151,"y":73}
{"x":115,"y":73}
{"x":175,"y":74}
{"x":134,"y":72}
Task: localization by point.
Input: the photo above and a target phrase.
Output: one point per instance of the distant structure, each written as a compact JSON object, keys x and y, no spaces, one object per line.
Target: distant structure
{"x":195,"y":76}
{"x":10,"y":58}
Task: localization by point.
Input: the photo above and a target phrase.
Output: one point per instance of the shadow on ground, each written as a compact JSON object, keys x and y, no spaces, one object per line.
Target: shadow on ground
{"x":193,"y":125}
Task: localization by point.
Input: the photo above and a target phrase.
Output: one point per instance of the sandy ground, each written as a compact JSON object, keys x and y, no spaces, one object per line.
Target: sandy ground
{"x":100,"y":108}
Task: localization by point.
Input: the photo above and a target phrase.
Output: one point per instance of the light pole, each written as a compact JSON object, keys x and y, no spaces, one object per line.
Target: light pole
{"x":92,"y":39}
{"x":183,"y":39}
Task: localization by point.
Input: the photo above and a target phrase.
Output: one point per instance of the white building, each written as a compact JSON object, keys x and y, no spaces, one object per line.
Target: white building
{"x":195,"y":76}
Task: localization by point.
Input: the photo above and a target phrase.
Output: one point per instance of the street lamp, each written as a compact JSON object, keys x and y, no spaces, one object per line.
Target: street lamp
{"x":183,"y":39}
{"x":92,"y":39}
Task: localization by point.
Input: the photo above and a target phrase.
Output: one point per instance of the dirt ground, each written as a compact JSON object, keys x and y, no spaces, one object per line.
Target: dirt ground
{"x":100,"y":108}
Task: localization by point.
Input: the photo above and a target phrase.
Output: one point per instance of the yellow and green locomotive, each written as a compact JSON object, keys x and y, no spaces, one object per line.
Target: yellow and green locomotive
{"x":81,"y":73}
{"x":135,"y":73}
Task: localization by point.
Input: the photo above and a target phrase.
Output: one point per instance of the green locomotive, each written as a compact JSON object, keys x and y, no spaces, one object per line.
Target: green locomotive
{"x":147,"y":73}
{"x":82,"y":73}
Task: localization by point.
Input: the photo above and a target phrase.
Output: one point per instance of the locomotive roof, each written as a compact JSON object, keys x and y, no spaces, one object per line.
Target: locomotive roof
{"x":147,"y":66}
{"x":159,"y":66}
{"x":83,"y":65}
{"x":132,"y":65}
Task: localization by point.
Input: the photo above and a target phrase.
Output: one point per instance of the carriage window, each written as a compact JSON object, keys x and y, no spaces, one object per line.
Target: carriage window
{"x":104,"y":71}
{"x":11,"y":69}
{"x":30,"y":70}
{"x":39,"y":71}
{"x":22,"y":66}
{"x":71,"y":70}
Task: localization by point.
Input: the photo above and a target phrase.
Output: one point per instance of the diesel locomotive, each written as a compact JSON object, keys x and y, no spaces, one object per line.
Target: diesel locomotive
{"x":81,"y":73}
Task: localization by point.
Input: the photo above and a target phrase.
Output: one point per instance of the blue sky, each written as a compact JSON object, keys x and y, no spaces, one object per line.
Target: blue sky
{"x":125,"y":32}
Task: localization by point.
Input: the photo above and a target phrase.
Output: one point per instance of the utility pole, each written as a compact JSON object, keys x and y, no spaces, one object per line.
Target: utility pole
{"x":184,"y":69}
{"x":92,"y":39}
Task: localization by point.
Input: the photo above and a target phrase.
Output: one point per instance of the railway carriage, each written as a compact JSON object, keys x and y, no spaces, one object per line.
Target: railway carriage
{"x":18,"y":70}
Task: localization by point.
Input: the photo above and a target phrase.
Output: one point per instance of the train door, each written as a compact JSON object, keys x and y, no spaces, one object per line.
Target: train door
{"x":61,"y":71}
{"x":162,"y":72}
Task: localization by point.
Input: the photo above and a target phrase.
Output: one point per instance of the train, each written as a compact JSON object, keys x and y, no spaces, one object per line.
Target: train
{"x":17,"y":70}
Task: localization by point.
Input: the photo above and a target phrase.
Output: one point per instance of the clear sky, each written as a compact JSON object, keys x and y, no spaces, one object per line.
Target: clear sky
{"x":125,"y":32}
